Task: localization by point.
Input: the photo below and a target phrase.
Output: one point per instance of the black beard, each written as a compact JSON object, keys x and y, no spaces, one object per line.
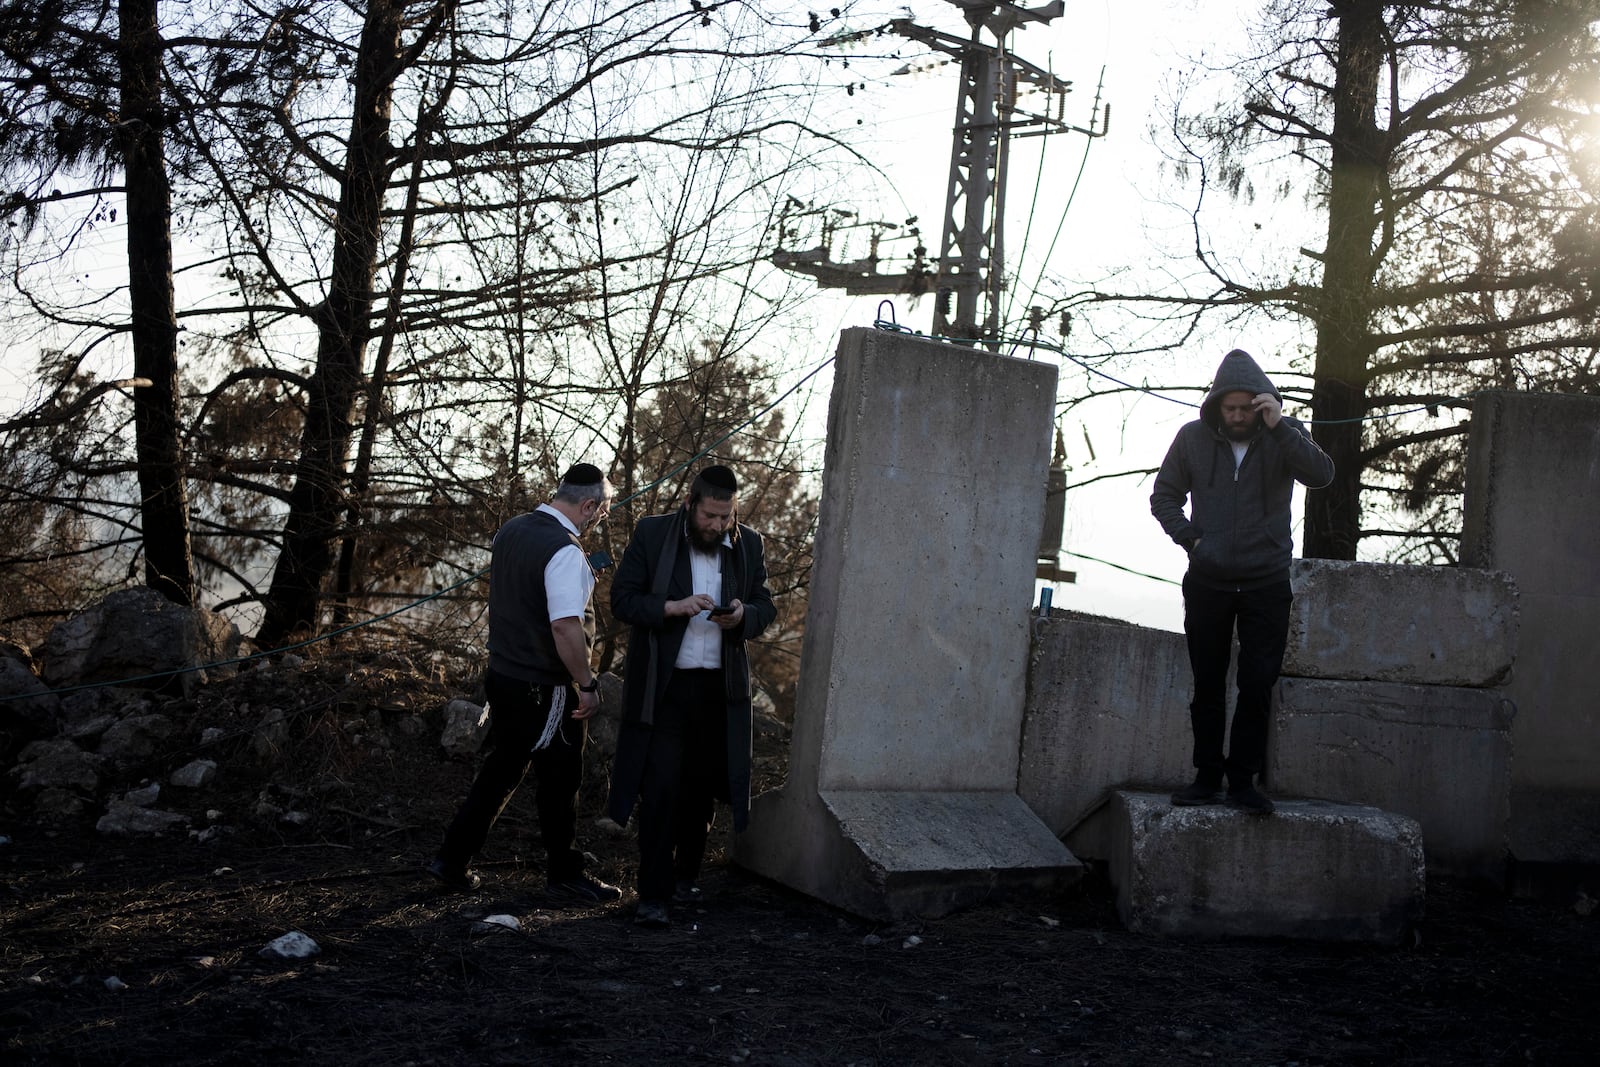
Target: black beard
{"x":705,"y":541}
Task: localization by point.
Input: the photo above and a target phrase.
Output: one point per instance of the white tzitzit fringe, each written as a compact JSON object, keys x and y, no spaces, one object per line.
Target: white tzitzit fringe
{"x":558,"y":708}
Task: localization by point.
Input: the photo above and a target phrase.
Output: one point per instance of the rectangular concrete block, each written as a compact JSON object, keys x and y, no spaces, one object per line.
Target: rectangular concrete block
{"x":901,"y":795}
{"x":1439,"y":754}
{"x":1313,"y":870}
{"x":1108,"y":707}
{"x":915,"y":660}
{"x":1532,"y":509}
{"x":1393,"y":623}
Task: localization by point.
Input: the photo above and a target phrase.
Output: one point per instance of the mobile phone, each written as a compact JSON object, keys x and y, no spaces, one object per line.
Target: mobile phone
{"x":722,"y":609}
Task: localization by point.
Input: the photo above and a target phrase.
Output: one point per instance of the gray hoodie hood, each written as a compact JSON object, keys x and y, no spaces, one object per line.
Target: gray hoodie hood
{"x":1238,"y":372}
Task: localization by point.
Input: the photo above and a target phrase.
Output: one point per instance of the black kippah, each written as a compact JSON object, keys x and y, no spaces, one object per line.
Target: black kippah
{"x":582,"y":474}
{"x":720,"y":477}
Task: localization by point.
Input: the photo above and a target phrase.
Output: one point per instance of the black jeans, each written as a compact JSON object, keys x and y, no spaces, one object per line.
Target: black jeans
{"x":517,"y":714}
{"x":1210,"y":617}
{"x":685,"y":773}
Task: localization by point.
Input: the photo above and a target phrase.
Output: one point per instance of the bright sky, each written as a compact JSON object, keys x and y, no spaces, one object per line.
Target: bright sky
{"x":1112,"y":221}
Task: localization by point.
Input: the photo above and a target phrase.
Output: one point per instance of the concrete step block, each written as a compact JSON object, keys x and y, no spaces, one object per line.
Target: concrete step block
{"x":890,"y":854}
{"x":1313,"y":870}
{"x":1393,"y":623}
{"x":1108,"y":705}
{"x":1439,"y":754}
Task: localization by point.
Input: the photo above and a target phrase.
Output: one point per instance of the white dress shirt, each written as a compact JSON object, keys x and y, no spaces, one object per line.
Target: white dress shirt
{"x":702,"y":641}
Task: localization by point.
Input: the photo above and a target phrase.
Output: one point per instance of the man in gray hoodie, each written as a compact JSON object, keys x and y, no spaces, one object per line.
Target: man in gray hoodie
{"x":1236,"y":465}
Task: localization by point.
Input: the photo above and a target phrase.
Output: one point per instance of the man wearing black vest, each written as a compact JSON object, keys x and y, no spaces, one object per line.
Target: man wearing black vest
{"x":540,"y":687}
{"x":693,"y":586}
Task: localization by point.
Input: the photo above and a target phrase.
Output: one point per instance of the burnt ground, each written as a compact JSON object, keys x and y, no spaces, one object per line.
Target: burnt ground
{"x":757,"y":974}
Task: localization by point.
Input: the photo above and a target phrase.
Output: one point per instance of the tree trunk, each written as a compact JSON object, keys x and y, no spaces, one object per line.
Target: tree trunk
{"x":1343,"y":320}
{"x":164,"y":508}
{"x":317,"y":497}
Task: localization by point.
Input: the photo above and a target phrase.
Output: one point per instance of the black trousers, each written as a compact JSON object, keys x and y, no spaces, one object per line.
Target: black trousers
{"x":685,"y":773}
{"x":517,"y":715}
{"x":1210,"y":617}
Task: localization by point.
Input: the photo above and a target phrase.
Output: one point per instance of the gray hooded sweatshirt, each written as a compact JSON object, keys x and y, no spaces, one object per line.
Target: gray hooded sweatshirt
{"x":1237,"y":529}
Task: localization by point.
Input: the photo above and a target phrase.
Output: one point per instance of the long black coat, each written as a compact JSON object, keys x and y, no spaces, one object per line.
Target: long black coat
{"x":636,"y":601}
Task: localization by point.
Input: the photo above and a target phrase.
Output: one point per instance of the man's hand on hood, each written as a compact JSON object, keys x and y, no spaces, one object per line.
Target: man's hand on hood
{"x":1267,"y":406}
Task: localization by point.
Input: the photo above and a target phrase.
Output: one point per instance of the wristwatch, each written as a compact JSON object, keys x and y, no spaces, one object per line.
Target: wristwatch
{"x":592,"y":687}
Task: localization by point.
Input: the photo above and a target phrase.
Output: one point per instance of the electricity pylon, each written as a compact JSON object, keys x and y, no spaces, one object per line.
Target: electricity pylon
{"x":969,"y":275}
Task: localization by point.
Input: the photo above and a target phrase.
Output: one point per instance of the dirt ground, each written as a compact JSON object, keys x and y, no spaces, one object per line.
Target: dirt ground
{"x":147,"y":951}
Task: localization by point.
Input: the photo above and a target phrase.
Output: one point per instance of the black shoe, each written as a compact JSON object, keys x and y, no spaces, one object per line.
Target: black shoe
{"x":687,"y":893}
{"x":1248,"y":798}
{"x":652,"y":914}
{"x":1200,"y":791}
{"x":460,"y":879}
{"x":581,"y":889}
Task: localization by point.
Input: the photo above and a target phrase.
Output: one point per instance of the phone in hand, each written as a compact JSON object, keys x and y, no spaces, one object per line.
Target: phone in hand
{"x":722,"y":609}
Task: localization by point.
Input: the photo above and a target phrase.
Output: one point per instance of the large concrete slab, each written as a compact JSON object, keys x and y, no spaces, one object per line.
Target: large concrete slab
{"x":1532,"y":509}
{"x":1315,"y":870}
{"x":889,"y":855}
{"x":1108,"y":707}
{"x":913,"y":671}
{"x":1439,"y":754}
{"x":1387,"y":622}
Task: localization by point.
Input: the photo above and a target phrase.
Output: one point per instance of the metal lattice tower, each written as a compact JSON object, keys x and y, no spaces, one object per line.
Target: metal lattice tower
{"x":969,"y":274}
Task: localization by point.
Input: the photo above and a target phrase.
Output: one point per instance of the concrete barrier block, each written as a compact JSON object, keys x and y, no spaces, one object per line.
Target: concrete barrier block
{"x":1313,"y":870}
{"x":1394,"y":623}
{"x":901,"y":794}
{"x":891,"y":855}
{"x":1439,"y":754}
{"x":1108,"y":706}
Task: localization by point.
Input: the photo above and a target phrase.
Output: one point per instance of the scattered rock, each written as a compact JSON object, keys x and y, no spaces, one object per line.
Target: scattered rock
{"x":135,"y":738}
{"x":90,"y":729}
{"x":195,"y":774}
{"x":872,"y":940}
{"x":410,"y":726}
{"x":911,"y":942}
{"x":212,"y":734}
{"x":271,"y":736}
{"x":28,"y":709}
{"x":58,"y":804}
{"x":493,"y":924}
{"x":291,"y":946}
{"x":115,"y":984}
{"x":144,"y":796}
{"x":57,"y":764}
{"x":465,"y":726}
{"x":125,"y":820}
{"x":137,"y":635}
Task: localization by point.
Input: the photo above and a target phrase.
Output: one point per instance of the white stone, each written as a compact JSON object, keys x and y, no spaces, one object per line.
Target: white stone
{"x":291,"y":946}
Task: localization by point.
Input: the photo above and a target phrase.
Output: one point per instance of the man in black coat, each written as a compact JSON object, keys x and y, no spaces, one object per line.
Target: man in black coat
{"x":693,"y":586}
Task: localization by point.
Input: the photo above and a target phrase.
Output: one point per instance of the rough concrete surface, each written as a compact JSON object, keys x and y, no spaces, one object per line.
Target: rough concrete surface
{"x":1387,"y":622}
{"x":913,"y":673}
{"x":1316,"y":870}
{"x":1440,"y":754}
{"x":1532,"y":509}
{"x":1108,"y":706}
